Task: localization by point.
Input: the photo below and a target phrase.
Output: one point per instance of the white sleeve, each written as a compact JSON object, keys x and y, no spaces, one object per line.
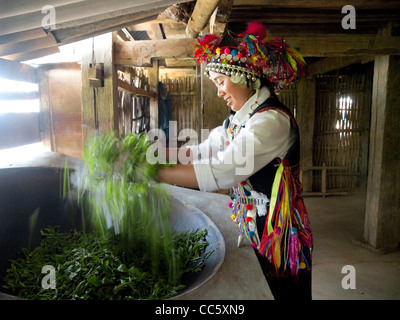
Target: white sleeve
{"x":267,"y":135}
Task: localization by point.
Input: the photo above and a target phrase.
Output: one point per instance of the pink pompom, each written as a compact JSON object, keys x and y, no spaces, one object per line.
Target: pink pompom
{"x":257,"y":29}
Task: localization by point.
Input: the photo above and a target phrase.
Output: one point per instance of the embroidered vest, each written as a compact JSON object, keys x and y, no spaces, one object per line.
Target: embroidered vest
{"x":269,"y":210}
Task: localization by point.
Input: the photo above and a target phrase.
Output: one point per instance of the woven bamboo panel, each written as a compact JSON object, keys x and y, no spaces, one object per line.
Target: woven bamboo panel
{"x":338,"y":127}
{"x":184,"y":105}
{"x":289,"y":98}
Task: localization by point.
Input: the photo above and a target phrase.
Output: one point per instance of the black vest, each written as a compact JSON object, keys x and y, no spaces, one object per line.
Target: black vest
{"x":263,"y":179}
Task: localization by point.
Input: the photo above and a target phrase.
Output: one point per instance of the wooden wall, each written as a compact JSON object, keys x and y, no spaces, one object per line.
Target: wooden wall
{"x":61,"y":116}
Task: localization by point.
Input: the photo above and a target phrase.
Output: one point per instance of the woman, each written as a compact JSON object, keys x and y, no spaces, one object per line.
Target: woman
{"x":267,"y":205}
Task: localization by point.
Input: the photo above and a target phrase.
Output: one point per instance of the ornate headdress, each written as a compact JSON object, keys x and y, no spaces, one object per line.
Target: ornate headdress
{"x":250,"y":55}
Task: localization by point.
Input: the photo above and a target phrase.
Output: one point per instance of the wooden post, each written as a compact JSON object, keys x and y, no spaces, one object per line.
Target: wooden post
{"x":382,"y":219}
{"x":323,"y":180}
{"x":99,"y":104}
{"x":153,"y":83}
{"x":305,"y":119}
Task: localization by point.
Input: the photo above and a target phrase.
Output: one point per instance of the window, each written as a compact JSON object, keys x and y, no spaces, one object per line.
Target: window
{"x":17,"y":96}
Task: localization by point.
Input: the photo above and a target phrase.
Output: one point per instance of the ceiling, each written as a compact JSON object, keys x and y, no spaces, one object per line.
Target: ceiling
{"x":23,"y":37}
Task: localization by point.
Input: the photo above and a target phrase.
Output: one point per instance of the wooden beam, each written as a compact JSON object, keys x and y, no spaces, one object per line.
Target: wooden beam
{"x":14,"y":70}
{"x":339,"y":46}
{"x":201,"y":15}
{"x":22,"y":36}
{"x":12,"y":8}
{"x":220,"y":17}
{"x":335,"y":63}
{"x":125,"y":86}
{"x":153,"y":84}
{"x":140,"y":53}
{"x":68,"y":34}
{"x":318,"y":4}
{"x":34,"y":54}
{"x":28,"y":45}
{"x":94,"y":10}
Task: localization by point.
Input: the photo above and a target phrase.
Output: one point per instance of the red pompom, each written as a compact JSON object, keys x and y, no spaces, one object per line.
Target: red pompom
{"x":248,"y":219}
{"x":257,"y":29}
{"x":249,"y":206}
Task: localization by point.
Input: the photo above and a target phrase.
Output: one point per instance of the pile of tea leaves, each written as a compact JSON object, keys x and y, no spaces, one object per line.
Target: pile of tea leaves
{"x":126,"y":249}
{"x":118,"y":193}
{"x":89,"y":267}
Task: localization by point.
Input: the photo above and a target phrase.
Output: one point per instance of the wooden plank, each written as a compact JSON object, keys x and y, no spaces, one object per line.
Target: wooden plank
{"x":29,"y":55}
{"x":14,"y":70}
{"x":63,"y":108}
{"x":23,"y":35}
{"x":140,"y":53}
{"x":11,"y":8}
{"x":18,"y":129}
{"x":93,"y":9}
{"x":122,"y":85}
{"x":28,"y":45}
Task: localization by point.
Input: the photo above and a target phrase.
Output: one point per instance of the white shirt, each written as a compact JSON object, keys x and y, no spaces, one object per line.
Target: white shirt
{"x":258,"y":140}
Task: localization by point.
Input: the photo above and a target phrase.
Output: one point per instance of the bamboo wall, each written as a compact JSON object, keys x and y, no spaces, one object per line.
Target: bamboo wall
{"x":289,"y":98}
{"x":341,"y":123}
{"x":184,"y":102}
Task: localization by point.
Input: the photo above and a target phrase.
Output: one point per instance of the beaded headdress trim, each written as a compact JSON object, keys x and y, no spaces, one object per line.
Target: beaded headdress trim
{"x":251,"y":55}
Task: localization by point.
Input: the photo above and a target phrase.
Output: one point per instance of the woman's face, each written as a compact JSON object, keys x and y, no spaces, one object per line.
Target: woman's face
{"x":234,"y":94}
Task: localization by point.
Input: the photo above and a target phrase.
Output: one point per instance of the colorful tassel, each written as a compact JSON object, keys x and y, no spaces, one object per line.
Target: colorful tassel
{"x":294,"y":248}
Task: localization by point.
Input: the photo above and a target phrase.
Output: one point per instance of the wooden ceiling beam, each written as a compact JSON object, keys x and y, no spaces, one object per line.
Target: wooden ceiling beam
{"x":220,"y":17}
{"x":83,"y":31}
{"x":318,"y":4}
{"x":28,"y":45}
{"x":200,"y":17}
{"x":334,"y":63}
{"x":34,"y":54}
{"x":91,"y":10}
{"x":12,"y":8}
{"x":140,"y":53}
{"x":332,"y":46}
